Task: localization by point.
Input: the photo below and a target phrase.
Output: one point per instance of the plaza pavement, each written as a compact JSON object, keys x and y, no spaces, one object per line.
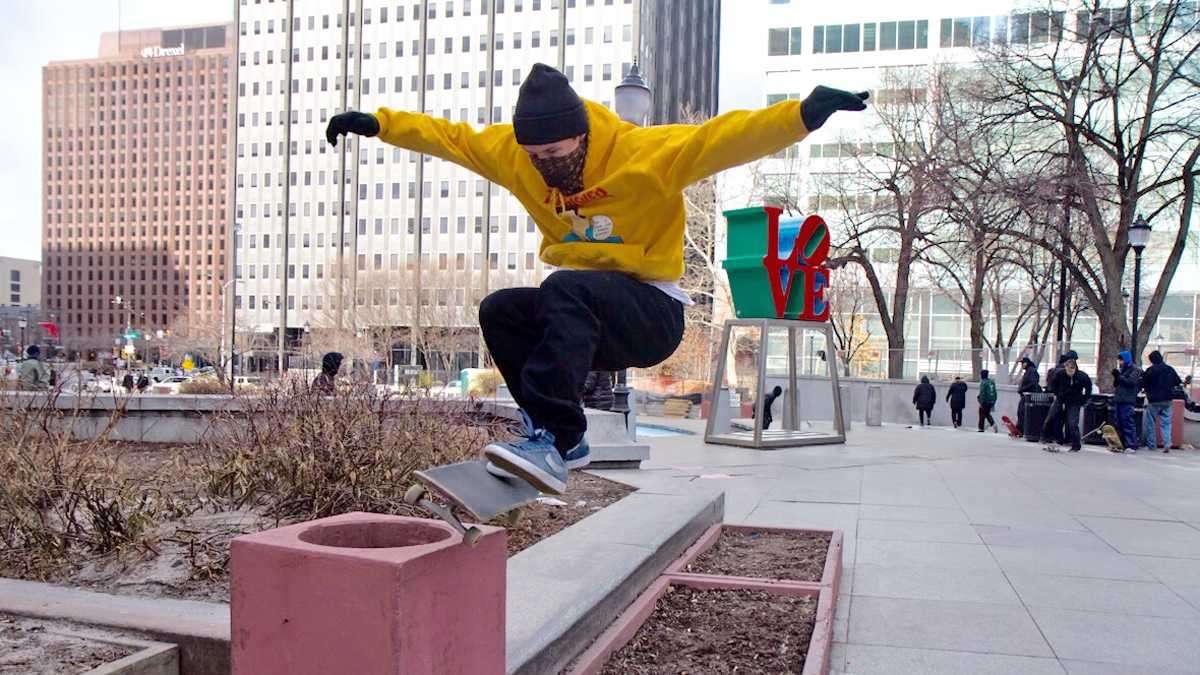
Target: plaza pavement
{"x":974,"y":553}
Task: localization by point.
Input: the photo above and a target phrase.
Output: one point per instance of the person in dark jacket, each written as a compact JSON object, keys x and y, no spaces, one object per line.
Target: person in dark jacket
{"x":1127,"y":381}
{"x":1159,"y":381}
{"x":1030,"y":384}
{"x":957,"y":397}
{"x":127,"y":383}
{"x":324,"y":383}
{"x":768,"y":401}
{"x":924,"y":398}
{"x":143,"y":383}
{"x":1071,"y":387}
{"x":598,"y":390}
{"x":1058,"y":433}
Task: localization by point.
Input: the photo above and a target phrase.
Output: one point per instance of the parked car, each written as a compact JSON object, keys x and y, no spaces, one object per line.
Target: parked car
{"x":170,"y":385}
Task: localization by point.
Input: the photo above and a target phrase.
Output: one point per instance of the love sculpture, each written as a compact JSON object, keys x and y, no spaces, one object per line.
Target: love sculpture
{"x":768,"y":282}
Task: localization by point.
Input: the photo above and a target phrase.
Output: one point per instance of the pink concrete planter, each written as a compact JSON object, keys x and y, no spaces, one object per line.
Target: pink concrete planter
{"x":627,"y":624}
{"x":366,"y":593}
{"x":623,"y":629}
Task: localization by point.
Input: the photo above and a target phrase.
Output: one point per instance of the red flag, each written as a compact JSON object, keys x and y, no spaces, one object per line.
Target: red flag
{"x":51,"y":329}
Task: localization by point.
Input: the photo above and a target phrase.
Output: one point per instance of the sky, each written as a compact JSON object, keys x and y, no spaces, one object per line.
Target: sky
{"x":32,"y":34}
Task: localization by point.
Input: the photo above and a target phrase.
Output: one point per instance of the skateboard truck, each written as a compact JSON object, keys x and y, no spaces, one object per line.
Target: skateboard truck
{"x":417,"y":496}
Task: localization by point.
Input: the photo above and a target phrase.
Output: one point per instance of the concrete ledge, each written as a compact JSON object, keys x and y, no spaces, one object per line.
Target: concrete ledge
{"x":200,"y":629}
{"x":154,"y":658}
{"x":565,"y":590}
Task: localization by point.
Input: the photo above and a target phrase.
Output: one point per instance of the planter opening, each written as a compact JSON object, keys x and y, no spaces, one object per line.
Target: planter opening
{"x":797,"y":555}
{"x":380,"y":534}
{"x":720,"y":631}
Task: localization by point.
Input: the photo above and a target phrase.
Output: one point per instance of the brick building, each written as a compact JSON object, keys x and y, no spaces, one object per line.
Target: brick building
{"x":135,"y":188}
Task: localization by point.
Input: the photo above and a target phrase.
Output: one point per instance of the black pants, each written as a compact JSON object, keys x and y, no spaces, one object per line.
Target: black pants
{"x":925,"y":415}
{"x":1059,"y":415}
{"x":956,"y":416}
{"x":545,"y":340}
{"x":985,"y":413}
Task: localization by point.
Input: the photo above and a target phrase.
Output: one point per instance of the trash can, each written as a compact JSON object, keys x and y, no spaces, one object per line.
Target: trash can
{"x":1095,"y":414}
{"x":1037,"y":407}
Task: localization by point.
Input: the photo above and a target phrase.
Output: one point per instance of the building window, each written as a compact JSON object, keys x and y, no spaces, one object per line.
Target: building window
{"x":777,"y":41}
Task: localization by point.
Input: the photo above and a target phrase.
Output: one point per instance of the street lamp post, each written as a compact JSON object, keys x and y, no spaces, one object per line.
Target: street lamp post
{"x":1139,"y":236}
{"x":632,"y":102}
{"x":22,"y":324}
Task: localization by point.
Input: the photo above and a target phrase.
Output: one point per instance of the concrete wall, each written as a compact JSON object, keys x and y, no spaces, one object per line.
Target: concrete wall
{"x":816,"y":402}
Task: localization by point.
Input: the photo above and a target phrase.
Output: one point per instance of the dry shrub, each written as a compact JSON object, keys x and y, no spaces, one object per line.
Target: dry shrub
{"x":293,"y":455}
{"x":63,"y":500}
{"x":205,"y":385}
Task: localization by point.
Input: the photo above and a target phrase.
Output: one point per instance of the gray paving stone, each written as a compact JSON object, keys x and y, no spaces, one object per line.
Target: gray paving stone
{"x":955,"y":533}
{"x":934,"y":583}
{"x":1041,"y":537}
{"x":1137,"y":641}
{"x":806,"y":514}
{"x":921,"y":553}
{"x":1114,"y":596}
{"x":1068,"y":562}
{"x":877,"y":660}
{"x":1147,"y":537}
{"x":955,"y":626}
{"x":1093,"y":668}
{"x":1020,"y":515}
{"x":834,"y":486}
{"x":926,"y":514}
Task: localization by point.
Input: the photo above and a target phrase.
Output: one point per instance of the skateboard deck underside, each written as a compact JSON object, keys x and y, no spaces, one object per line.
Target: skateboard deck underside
{"x":469,"y":486}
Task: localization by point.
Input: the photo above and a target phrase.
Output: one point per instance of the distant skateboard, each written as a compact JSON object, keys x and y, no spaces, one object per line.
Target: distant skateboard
{"x":469,"y":487}
{"x":1013,"y":431}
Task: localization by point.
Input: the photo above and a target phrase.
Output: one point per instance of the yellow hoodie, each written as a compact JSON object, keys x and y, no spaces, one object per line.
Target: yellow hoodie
{"x":630,"y":215}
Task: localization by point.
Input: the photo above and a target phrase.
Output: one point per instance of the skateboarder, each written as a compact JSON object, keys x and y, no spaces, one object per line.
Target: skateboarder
{"x":924,"y":397}
{"x":607,"y":197}
{"x":1071,"y":387}
{"x":957,"y":397}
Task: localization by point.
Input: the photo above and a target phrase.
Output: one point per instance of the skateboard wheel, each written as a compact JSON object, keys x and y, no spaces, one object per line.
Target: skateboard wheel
{"x":471,"y":536}
{"x":414,"y":494}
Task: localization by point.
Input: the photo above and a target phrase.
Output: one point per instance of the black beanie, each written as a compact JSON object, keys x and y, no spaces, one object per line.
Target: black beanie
{"x":548,"y":109}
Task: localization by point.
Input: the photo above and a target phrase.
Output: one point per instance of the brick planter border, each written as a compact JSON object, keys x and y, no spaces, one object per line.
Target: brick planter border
{"x":622,"y":630}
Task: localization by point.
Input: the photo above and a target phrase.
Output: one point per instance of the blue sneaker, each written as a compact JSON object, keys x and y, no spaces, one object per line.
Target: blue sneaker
{"x":579,"y":456}
{"x":533,"y":459}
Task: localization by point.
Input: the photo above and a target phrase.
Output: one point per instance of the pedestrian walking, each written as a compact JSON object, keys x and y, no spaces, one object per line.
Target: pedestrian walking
{"x":1071,"y":387}
{"x":324,"y":384}
{"x":987,"y":400}
{"x":1159,"y":381}
{"x":768,"y":401}
{"x":128,"y":383}
{"x":32,"y":374}
{"x":1127,"y":382}
{"x":957,"y":397}
{"x":924,"y":398}
{"x":143,"y":383}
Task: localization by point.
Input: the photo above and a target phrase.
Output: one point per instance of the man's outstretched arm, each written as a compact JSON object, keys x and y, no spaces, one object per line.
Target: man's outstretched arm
{"x":697,"y":151}
{"x":485,"y":152}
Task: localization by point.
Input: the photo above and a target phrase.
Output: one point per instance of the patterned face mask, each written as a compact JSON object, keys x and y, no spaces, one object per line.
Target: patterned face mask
{"x":564,"y":173}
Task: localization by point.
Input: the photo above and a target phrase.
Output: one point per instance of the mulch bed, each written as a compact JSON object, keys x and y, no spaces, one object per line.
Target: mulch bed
{"x":720,"y":631}
{"x":798,"y":556}
{"x":585,"y":495}
{"x":27,"y":648}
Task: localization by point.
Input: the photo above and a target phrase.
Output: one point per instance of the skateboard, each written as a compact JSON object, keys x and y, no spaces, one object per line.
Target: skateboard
{"x":1013,"y":431}
{"x":468,"y":487}
{"x":1111,"y":438}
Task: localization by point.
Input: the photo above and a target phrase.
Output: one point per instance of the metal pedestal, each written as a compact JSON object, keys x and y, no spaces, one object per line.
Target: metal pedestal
{"x":792,"y":433}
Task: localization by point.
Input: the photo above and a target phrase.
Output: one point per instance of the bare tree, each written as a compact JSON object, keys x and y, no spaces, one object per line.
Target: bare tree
{"x":1106,"y":100}
{"x":888,"y":198}
{"x":849,"y":306}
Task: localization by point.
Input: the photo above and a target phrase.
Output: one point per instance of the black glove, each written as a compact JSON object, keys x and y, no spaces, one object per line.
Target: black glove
{"x":1116,"y":373}
{"x":824,"y":101}
{"x":351,"y":122}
